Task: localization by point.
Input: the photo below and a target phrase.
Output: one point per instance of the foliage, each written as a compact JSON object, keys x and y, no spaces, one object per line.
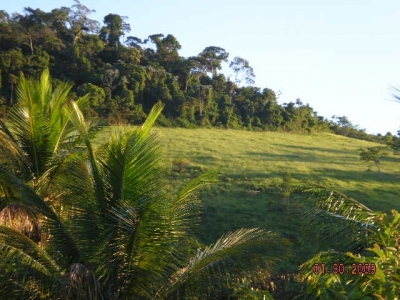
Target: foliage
{"x":370,"y":270}
{"x":180,"y":165}
{"x":112,"y":228}
{"x":127,"y":75}
{"x":244,"y":291}
{"x":373,"y":154}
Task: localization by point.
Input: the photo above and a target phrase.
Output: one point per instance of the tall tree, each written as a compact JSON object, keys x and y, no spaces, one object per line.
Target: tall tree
{"x":114,"y":29}
{"x":71,"y":23}
{"x":165,"y":53}
{"x":212,"y":57}
{"x":12,"y":79}
{"x":4,"y":17}
{"x":242,"y":70}
{"x":80,"y":22}
{"x":30,"y":24}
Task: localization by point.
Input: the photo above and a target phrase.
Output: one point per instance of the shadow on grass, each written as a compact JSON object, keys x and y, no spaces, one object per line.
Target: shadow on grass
{"x":299,"y":157}
{"x":321,"y":174}
{"x":312,"y":148}
{"x":392,"y":159}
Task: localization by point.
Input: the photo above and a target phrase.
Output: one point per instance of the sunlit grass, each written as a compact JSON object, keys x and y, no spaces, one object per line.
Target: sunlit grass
{"x":256,"y":161}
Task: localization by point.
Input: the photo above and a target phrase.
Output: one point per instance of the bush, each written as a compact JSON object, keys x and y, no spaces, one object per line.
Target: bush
{"x":180,"y":165}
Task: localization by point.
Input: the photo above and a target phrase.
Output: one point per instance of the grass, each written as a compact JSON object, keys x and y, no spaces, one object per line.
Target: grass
{"x":252,"y":164}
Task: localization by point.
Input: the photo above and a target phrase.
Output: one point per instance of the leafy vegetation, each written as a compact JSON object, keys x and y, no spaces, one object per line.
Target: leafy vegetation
{"x":125,"y":79}
{"x":98,"y":224}
{"x":61,"y":193}
{"x":373,"y":154}
{"x":114,"y":213}
{"x":369,"y":268}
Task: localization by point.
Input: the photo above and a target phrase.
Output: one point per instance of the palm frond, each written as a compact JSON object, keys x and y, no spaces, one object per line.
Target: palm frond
{"x":62,"y":129}
{"x":133,"y":178}
{"x":82,"y":127}
{"x":151,"y":118}
{"x":68,"y":250}
{"x":32,"y":134}
{"x":128,"y":173}
{"x":41,"y":120}
{"x":27,"y":270}
{"x":17,"y":247}
{"x":342,"y":221}
{"x":11,"y":154}
{"x":239,"y":242}
{"x":340,"y":204}
{"x":146,"y":224}
{"x":73,"y":198}
{"x":183,"y":212}
{"x":132,"y":168}
{"x":30,"y":123}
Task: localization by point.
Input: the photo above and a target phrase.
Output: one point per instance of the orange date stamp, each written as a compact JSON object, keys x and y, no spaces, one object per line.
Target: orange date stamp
{"x":341,"y":268}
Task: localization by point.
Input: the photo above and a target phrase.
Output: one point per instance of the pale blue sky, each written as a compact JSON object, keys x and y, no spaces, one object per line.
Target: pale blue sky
{"x":340,"y":56}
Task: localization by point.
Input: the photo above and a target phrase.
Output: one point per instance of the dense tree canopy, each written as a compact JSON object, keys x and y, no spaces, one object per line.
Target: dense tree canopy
{"x":127,"y":75}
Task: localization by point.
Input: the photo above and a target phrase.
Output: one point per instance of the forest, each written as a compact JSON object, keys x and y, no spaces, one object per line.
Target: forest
{"x":92,"y":206}
{"x":126,"y":75}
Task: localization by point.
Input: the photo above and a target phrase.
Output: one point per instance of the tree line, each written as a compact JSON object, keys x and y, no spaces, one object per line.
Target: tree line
{"x":126,"y":75}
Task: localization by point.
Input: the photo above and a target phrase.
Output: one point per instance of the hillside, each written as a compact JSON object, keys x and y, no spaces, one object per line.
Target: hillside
{"x":251,"y":166}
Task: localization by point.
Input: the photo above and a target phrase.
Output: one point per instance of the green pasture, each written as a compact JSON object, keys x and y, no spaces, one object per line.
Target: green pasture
{"x":252,"y":164}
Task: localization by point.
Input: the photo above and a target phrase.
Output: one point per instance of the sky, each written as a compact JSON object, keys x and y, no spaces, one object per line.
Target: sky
{"x":339,"y":56}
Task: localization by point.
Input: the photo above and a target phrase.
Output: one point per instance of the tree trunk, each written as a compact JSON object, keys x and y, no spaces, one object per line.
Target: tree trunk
{"x":201,"y":104}
{"x":31,"y":43}
{"x":76,"y":38}
{"x":186,"y":84}
{"x":379,"y":170}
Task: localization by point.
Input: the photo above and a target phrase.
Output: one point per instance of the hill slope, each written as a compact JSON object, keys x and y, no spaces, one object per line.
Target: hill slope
{"x":252,"y":165}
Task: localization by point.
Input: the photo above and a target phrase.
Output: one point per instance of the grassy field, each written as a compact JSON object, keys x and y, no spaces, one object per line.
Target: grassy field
{"x":256,"y":161}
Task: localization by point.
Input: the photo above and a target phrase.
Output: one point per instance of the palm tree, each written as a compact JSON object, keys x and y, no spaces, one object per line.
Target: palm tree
{"x":34,"y":142}
{"x":39,"y":129}
{"x":112,"y":231}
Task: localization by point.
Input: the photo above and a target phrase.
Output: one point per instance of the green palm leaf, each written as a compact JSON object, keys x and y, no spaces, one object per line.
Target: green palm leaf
{"x":340,"y":204}
{"x":17,"y":247}
{"x":40,"y":121}
{"x":83,"y":129}
{"x":340,"y":220}
{"x":235,"y":243}
{"x":28,"y":265}
{"x":67,"y":248}
{"x":184,"y":209}
{"x":11,"y":154}
{"x":151,"y":243}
